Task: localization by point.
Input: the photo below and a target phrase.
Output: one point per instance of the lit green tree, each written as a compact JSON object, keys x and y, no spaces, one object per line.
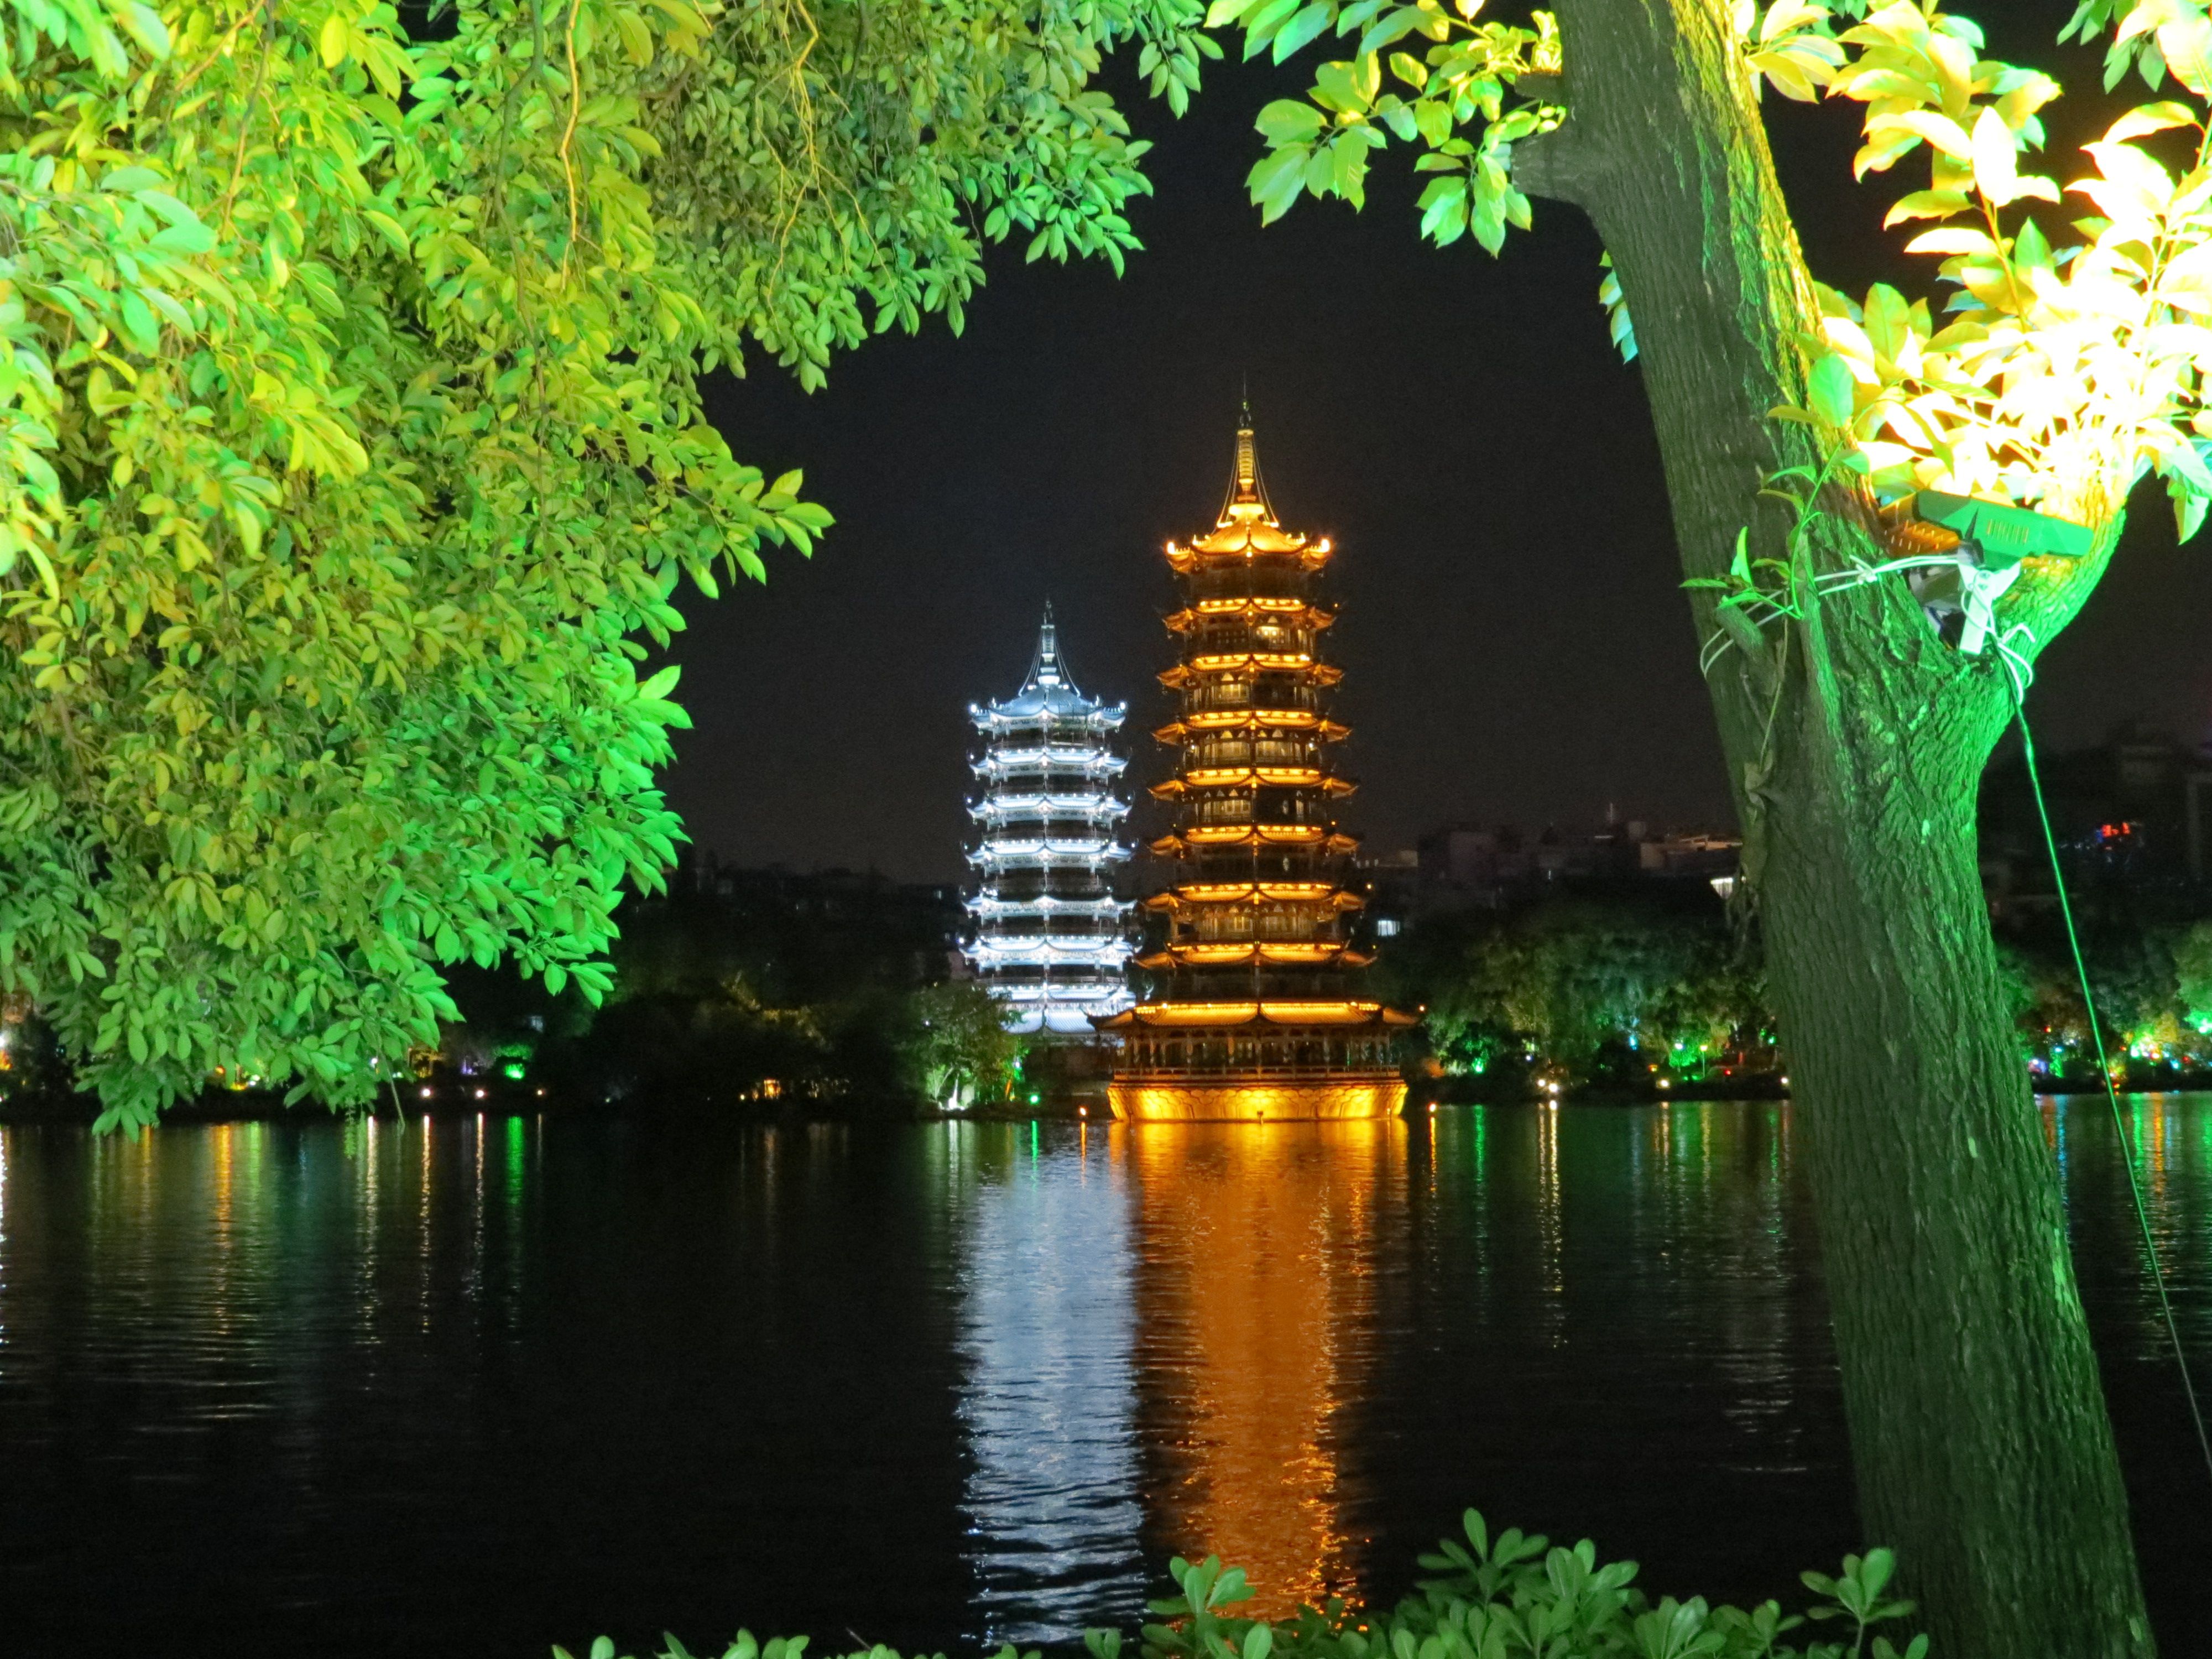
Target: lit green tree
{"x":961,"y":1048}
{"x":1576,"y":979}
{"x":351,"y":455}
{"x":2057,"y":365}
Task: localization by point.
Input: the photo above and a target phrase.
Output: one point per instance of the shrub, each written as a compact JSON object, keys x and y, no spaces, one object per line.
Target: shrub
{"x":1510,"y":1598}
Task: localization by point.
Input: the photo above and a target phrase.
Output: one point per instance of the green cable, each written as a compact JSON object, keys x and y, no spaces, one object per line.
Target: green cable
{"x":2112,"y":1092}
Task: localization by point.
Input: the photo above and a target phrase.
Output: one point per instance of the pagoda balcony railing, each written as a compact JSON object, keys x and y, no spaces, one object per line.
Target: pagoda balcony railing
{"x":1043,"y":786}
{"x":1076,"y":757}
{"x":1004,"y":847}
{"x":1072,"y":780}
{"x":1221,"y":809}
{"x":1212,"y":810}
{"x":1270,"y":577}
{"x":1239,"y":637}
{"x":1047,"y":904}
{"x":1241,"y":693}
{"x":1230,"y":927}
{"x":1056,"y":826}
{"x":1083,"y":948}
{"x":1041,"y":724}
{"x":1109,"y":991}
{"x":1089,"y":809}
{"x":1208,"y":753}
{"x":1056,"y":937}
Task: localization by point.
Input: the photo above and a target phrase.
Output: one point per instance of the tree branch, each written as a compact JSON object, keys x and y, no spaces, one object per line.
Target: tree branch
{"x":1562,"y":165}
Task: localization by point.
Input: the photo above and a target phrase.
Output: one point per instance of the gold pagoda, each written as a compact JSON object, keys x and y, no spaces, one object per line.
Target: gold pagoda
{"x":1253,"y":1013}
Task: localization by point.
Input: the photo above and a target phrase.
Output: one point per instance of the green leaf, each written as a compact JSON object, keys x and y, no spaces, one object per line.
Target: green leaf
{"x":190,"y":239}
{"x":1304,"y":27}
{"x":1289,"y":121}
{"x":1831,"y":392}
{"x":144,"y":25}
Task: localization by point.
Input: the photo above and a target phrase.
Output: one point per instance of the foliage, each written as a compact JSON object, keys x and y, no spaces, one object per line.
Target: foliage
{"x":2063,"y":366}
{"x":1586,"y":985}
{"x":2147,"y":978}
{"x":350,"y":440}
{"x":760,"y":987}
{"x":1509,"y":1597}
{"x":1468,"y":70}
{"x":963,"y":1048}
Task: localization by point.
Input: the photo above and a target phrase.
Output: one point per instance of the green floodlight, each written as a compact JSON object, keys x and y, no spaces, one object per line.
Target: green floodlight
{"x":2001,"y":535}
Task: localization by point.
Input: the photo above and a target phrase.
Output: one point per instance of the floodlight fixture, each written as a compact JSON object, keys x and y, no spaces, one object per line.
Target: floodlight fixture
{"x":1999,"y":534}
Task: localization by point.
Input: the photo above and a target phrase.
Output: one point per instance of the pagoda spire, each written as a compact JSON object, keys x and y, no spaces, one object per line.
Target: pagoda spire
{"x":1044,"y":667}
{"x":1247,"y":492}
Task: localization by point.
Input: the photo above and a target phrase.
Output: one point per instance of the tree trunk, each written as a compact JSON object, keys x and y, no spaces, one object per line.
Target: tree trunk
{"x":1978,"y":1431}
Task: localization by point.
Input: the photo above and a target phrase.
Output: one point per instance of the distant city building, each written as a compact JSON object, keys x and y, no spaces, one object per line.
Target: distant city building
{"x":1255,"y":1012}
{"x":2136,"y":809}
{"x":1464,"y":866}
{"x":817,"y":933}
{"x":1391,"y":884}
{"x":1051,"y":938}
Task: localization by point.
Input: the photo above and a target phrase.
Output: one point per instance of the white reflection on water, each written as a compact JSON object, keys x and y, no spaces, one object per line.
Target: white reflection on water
{"x":1046,"y":1327}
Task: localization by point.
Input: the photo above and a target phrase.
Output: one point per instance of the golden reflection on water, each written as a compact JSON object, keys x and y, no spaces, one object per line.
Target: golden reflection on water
{"x":1255,"y":1292}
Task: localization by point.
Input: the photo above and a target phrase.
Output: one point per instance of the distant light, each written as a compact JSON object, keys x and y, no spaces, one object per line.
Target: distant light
{"x":426,"y":1092}
{"x":480,"y":1094}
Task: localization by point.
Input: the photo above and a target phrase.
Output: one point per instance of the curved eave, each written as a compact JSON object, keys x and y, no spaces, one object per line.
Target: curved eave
{"x":1213,"y":720}
{"x":1275,"y":835}
{"x":1257,"y":662}
{"x":1298,"y":612}
{"x":1251,"y":777}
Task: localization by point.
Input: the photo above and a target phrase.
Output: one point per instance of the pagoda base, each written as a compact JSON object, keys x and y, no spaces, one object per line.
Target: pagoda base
{"x":1137,"y":1097}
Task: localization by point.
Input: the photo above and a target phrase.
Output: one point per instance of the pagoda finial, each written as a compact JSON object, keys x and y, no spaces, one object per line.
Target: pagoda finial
{"x":1247,"y":496}
{"x":1046,"y":670}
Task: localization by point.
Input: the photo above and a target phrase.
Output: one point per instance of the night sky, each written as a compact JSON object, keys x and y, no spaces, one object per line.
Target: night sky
{"x":1516,"y":646}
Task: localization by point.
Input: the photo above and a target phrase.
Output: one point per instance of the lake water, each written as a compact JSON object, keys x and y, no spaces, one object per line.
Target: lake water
{"x":475,"y":1385}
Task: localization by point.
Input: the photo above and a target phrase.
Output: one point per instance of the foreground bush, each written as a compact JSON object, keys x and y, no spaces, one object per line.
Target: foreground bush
{"x":1503,"y":1600}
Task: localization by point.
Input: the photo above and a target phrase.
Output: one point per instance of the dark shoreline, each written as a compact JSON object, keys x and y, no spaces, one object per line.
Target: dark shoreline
{"x":461,"y":1099}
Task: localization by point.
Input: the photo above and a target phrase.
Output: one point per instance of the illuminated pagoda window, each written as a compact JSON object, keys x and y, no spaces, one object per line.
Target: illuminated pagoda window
{"x":1255,"y":1010}
{"x":1052,"y":941}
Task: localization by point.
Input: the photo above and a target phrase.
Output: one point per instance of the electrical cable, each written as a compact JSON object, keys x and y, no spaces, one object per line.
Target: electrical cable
{"x":2021,"y":672}
{"x":2105,"y":1070}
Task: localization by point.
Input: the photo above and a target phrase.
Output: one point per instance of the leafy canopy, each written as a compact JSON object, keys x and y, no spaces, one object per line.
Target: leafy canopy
{"x":351,"y":454}
{"x":2068,"y":359}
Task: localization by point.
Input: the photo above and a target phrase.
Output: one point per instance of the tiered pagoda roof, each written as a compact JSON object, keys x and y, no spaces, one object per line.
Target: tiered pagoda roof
{"x":1254,"y":986}
{"x":1050,"y":935}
